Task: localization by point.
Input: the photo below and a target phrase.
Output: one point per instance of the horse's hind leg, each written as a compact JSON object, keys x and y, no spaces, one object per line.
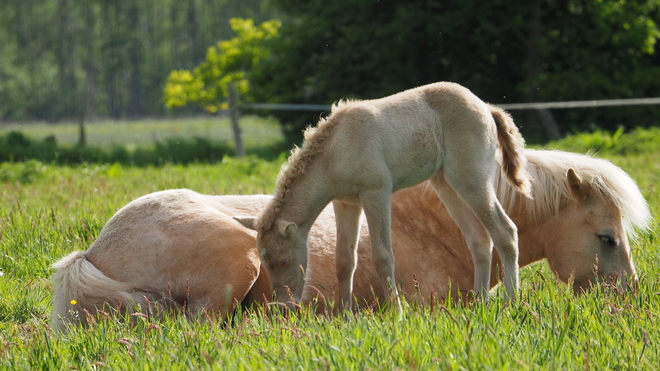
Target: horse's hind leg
{"x":475,"y":189}
{"x":476,"y":235}
{"x":347,"y":218}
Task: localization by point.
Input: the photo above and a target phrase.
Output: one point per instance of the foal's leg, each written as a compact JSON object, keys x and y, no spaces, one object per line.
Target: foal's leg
{"x":377,"y":208}
{"x":476,"y":235}
{"x":347,"y":218}
{"x":476,"y":189}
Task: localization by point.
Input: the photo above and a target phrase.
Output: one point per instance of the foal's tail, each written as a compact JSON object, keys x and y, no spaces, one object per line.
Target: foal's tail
{"x":512,"y":145}
{"x":81,"y":290}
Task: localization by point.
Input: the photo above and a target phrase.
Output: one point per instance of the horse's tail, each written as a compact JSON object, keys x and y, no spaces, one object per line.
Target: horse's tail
{"x":81,"y":290}
{"x":512,"y":145}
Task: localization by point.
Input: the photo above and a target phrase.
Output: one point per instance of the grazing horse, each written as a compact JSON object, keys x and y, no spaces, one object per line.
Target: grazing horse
{"x":183,"y":249}
{"x":366,"y":150}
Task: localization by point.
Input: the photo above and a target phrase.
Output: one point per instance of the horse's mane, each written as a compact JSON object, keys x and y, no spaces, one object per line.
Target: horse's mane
{"x":548,"y":169}
{"x":300,"y":157}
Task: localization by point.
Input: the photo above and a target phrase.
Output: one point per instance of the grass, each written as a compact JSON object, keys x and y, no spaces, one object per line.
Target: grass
{"x":47,"y":211}
{"x":257,"y":132}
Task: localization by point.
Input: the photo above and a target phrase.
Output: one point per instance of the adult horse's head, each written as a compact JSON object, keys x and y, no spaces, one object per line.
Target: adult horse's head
{"x":589,"y":208}
{"x":283,"y":252}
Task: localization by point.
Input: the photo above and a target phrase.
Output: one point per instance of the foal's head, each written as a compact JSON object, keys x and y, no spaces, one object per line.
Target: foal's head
{"x":283,"y":252}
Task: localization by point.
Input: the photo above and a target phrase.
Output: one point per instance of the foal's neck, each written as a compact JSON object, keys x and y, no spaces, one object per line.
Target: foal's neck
{"x":307,"y":197}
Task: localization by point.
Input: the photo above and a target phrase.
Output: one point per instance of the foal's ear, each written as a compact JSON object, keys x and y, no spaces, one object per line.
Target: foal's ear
{"x":576,"y":184}
{"x":286,"y":228}
{"x":247,"y":221}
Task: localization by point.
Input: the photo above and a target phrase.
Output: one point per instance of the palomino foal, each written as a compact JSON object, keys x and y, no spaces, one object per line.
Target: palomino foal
{"x":366,"y":150}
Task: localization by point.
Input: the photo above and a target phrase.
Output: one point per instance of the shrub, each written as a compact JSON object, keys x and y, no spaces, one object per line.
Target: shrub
{"x":619,"y":142}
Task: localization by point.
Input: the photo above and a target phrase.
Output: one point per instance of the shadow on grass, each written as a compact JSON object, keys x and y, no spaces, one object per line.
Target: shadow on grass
{"x":16,"y":147}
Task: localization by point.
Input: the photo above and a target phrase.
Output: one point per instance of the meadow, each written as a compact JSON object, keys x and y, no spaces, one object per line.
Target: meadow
{"x":140,"y":133}
{"x":48,"y":210}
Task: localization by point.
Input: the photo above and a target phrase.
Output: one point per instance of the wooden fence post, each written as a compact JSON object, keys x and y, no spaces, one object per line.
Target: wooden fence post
{"x":234,"y":116}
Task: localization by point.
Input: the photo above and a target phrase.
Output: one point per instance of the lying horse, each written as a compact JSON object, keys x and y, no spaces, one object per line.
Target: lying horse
{"x":366,"y":150}
{"x":183,"y":249}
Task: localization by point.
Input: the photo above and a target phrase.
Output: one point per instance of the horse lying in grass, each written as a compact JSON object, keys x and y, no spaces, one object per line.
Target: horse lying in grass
{"x":181,"y":249}
{"x":366,"y":150}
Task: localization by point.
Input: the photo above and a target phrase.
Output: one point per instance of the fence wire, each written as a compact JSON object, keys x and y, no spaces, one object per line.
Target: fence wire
{"x":511,"y":106}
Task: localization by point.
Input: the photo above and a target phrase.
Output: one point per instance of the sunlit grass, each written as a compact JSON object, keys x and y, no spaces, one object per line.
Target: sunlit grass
{"x":47,"y":211}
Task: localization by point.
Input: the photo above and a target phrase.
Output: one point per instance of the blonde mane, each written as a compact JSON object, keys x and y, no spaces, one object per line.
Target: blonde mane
{"x":300,"y":157}
{"x":549,"y":186}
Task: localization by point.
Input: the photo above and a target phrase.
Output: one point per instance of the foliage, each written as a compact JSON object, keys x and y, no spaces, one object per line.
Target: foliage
{"x":230,"y":62}
{"x":26,"y":172}
{"x":168,"y":150}
{"x":63,"y":58}
{"x":602,"y":50}
{"x":634,"y":142}
{"x":367,"y":49}
{"x":64,"y":208}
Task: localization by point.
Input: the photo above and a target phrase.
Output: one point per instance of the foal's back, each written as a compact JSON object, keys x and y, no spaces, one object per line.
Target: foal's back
{"x":404,"y":137}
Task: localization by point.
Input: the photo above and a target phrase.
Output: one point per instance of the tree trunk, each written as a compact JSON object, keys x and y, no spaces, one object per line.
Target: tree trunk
{"x":82,"y":137}
{"x":135,"y":62}
{"x":234,"y":116}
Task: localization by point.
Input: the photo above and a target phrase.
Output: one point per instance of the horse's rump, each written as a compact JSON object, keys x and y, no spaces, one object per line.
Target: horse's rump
{"x":81,"y":288}
{"x":168,"y":249}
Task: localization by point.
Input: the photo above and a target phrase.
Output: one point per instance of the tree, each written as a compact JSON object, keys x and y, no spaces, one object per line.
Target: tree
{"x":506,"y":51}
{"x":64,"y":59}
{"x":600,"y":50}
{"x":227,"y":67}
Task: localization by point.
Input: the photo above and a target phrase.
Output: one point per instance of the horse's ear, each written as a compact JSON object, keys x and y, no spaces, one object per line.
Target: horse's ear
{"x":247,"y":221}
{"x":576,"y":185}
{"x":286,"y":228}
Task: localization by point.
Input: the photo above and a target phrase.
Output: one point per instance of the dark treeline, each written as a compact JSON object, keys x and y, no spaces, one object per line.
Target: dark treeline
{"x":63,"y":59}
{"x":506,"y":51}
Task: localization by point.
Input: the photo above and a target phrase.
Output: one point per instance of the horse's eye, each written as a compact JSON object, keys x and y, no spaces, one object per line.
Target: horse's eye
{"x":607,"y":240}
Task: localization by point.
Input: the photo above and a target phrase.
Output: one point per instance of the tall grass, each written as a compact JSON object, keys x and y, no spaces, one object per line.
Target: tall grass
{"x":47,"y":211}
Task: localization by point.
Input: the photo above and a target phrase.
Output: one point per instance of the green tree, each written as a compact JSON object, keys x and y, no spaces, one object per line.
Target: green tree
{"x":225,"y":71}
{"x":64,"y":59}
{"x":600,"y":50}
{"x":505,"y":51}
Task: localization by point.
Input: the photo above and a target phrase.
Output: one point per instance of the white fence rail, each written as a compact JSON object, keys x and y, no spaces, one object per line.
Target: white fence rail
{"x":583,"y":103}
{"x":546,"y":118}
{"x":511,"y":106}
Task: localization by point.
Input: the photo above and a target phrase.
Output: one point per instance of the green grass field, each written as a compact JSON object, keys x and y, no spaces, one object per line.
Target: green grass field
{"x":131,"y":134}
{"x":47,"y":211}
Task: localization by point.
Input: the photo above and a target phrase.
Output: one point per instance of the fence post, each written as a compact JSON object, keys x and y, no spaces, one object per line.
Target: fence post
{"x":234,"y":116}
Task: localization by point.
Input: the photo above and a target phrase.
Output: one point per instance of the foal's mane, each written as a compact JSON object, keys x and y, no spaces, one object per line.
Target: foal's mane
{"x":314,"y":140}
{"x":548,"y":169}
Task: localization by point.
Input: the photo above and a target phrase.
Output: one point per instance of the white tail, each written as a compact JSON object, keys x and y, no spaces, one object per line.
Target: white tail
{"x":80,"y":287}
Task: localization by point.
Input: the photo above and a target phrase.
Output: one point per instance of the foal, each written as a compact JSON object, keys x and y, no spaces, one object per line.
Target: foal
{"x":366,"y":150}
